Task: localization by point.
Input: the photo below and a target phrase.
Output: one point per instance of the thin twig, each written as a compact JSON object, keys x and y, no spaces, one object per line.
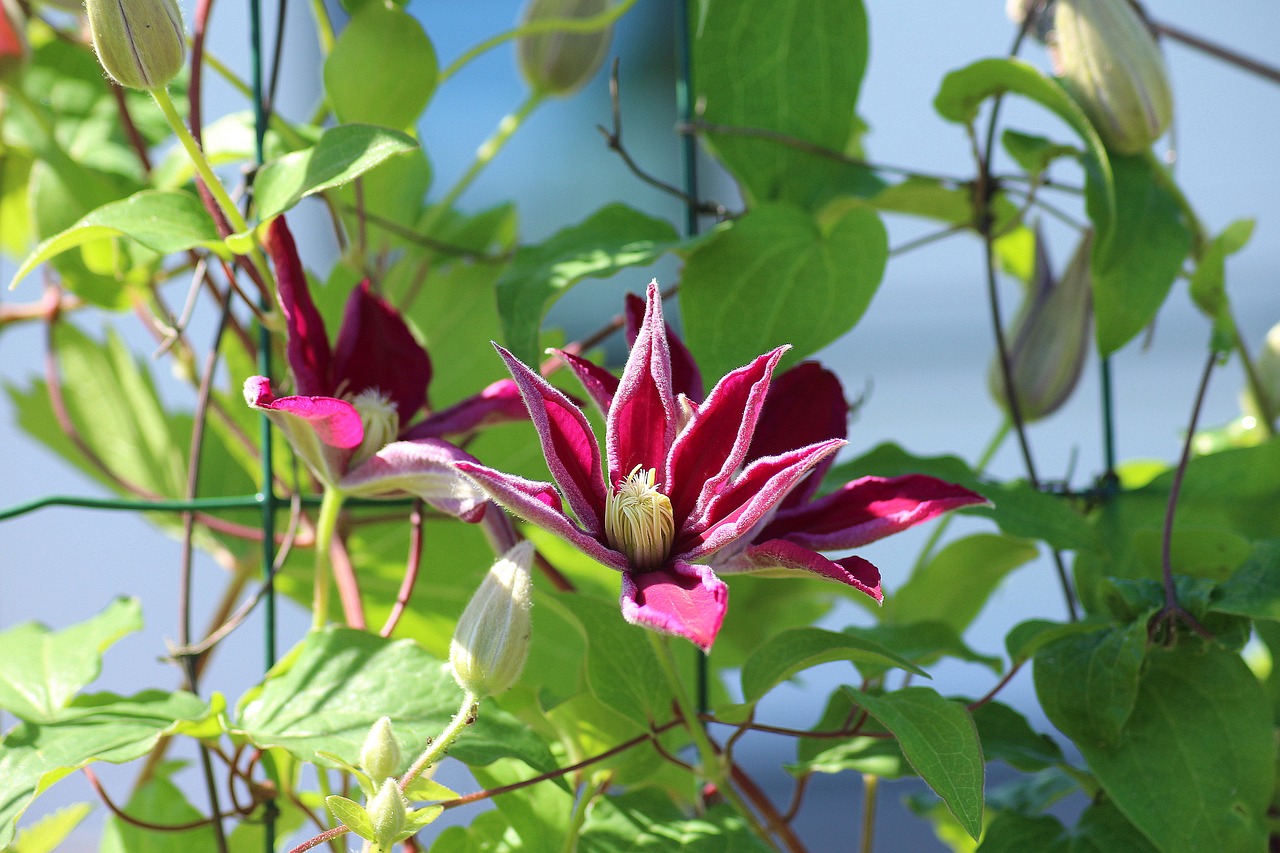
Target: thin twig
{"x":1218,"y":51}
{"x":410,"y":571}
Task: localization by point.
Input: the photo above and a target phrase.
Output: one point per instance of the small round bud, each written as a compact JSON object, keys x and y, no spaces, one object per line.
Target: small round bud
{"x":1112,"y":66}
{"x":140,"y":43}
{"x":1267,"y":366}
{"x":492,"y":638}
{"x":380,"y":754}
{"x":15,"y":50}
{"x":560,"y":63}
{"x":389,"y":812}
{"x":1049,"y":337}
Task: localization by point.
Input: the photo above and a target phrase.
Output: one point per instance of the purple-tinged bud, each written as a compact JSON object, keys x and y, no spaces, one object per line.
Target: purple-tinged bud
{"x":491,"y":641}
{"x":140,"y":43}
{"x":15,"y":50}
{"x":1049,"y":337}
{"x":1111,"y":64}
{"x":560,"y":63}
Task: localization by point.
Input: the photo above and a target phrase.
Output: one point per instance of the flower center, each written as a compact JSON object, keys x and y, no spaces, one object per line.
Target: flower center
{"x":380,"y":419}
{"x":638,"y":520}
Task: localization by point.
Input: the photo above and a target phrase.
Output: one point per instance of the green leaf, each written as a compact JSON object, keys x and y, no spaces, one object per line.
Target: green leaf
{"x":1254,"y":589}
{"x":341,"y":155}
{"x":540,"y":814}
{"x":382,"y":69}
{"x":1026,"y":639}
{"x":1006,"y":735}
{"x":162,"y":221}
{"x":611,"y":239}
{"x":97,"y":727}
{"x":792,"y":651}
{"x":646,"y":821}
{"x":161,"y":802}
{"x":44,"y":669}
{"x":48,"y":832}
{"x":353,"y":815}
{"x":775,"y":66}
{"x":329,"y":690}
{"x":1015,"y":833}
{"x":1104,"y":829}
{"x":871,"y":751}
{"x":963,"y":91}
{"x":953,"y":587}
{"x":939,"y":739}
{"x":1088,"y":683}
{"x":922,"y":643}
{"x":1134,"y":269}
{"x":776,"y":276}
{"x":1194,"y":767}
{"x":1035,"y":153}
{"x":1209,"y":281}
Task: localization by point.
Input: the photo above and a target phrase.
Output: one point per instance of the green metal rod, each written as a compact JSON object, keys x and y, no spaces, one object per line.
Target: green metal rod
{"x":193,"y":505}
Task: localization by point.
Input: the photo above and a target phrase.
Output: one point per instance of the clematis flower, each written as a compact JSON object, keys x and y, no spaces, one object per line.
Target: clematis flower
{"x":805,"y":405}
{"x":675,"y":485}
{"x":350,"y":420}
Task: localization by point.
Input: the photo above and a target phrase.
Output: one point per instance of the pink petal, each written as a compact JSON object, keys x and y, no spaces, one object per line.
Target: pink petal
{"x":735,"y":512}
{"x":713,"y":446}
{"x":567,"y":441}
{"x":376,"y":350}
{"x":324,"y":431}
{"x":781,"y":554}
{"x":865,"y":510}
{"x":599,"y":383}
{"x":805,"y":405}
{"x":427,"y":469}
{"x":642,"y":419}
{"x":683,"y":599}
{"x":498,"y":403}
{"x":686,"y":379}
{"x":308,"y":345}
{"x":539,"y":504}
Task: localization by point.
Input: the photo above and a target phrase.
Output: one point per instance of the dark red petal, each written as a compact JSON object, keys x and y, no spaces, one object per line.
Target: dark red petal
{"x":806,"y":404}
{"x":714,"y":444}
{"x":865,"y":510}
{"x":642,"y":419}
{"x":599,"y":383}
{"x":376,"y":350}
{"x":497,"y":403}
{"x":308,"y":345}
{"x":686,"y":379}
{"x":781,"y":554}
{"x":683,"y":599}
{"x":567,"y":442}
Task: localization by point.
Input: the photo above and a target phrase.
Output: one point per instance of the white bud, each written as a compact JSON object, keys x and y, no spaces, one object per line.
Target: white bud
{"x":140,"y":43}
{"x":492,"y":638}
{"x":380,"y":754}
{"x":389,"y":812}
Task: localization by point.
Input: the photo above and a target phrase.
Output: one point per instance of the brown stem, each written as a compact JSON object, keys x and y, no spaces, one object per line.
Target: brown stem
{"x":410,"y":571}
{"x":1226,"y":54}
{"x":1000,"y":685}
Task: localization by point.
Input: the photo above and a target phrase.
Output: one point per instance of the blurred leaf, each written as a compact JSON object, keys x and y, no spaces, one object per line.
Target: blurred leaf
{"x":1195,"y":763}
{"x":48,"y":832}
{"x":1104,"y":829}
{"x":588,"y":728}
{"x":97,"y":727}
{"x":1209,"y":281}
{"x":611,"y":239}
{"x":1026,"y":639}
{"x":792,"y":651}
{"x":162,"y":221}
{"x":539,"y":814}
{"x":954,"y":586}
{"x":44,"y":669}
{"x":1088,"y":683}
{"x":341,"y":155}
{"x":776,"y":276}
{"x":1254,"y":589}
{"x":1134,"y":269}
{"x":772,"y":66}
{"x":1035,"y":153}
{"x":1015,"y":833}
{"x":1034,"y":793}
{"x":330,"y":689}
{"x":871,"y":751}
{"x":922,"y":643}
{"x":939,"y":739}
{"x":382,"y":69}
{"x":158,"y":801}
{"x":646,"y":821}
{"x":15,"y":213}
{"x":1006,"y":735}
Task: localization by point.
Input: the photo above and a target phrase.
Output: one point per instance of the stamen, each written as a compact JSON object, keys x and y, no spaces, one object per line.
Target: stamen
{"x":381,"y":422}
{"x":638,"y":520}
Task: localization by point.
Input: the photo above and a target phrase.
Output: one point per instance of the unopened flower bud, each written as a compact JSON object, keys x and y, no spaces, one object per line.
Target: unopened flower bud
{"x":560,"y":63}
{"x":15,"y":50}
{"x":1111,"y":64}
{"x":492,"y":638}
{"x":1017,"y":11}
{"x":1049,"y":337}
{"x":389,"y":812}
{"x":140,"y":43}
{"x":380,"y":754}
{"x":1267,"y":367}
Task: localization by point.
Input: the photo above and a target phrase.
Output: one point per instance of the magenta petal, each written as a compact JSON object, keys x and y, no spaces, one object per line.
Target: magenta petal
{"x":308,"y":345}
{"x":497,"y":403}
{"x":713,"y":446}
{"x":376,"y":350}
{"x":324,"y":431}
{"x":567,"y":442}
{"x":738,"y":509}
{"x":781,"y":554}
{"x":599,"y":383}
{"x":865,"y":510}
{"x":683,"y":599}
{"x":642,"y":419}
{"x":686,"y":379}
{"x":805,"y":405}
{"x":539,"y":504}
{"x":425,"y":468}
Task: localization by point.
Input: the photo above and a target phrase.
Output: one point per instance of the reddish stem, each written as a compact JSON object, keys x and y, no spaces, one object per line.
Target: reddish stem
{"x":410,"y":571}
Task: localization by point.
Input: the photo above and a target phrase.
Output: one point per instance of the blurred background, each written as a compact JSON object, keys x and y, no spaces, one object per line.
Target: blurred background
{"x":919,"y":356}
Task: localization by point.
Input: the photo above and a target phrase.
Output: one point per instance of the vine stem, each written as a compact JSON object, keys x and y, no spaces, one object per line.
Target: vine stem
{"x":713,"y":767}
{"x":326,"y":524}
{"x":871,"y":790}
{"x":435,"y":750}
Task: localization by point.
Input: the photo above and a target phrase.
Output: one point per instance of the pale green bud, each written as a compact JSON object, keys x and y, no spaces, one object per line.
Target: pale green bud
{"x":560,"y":63}
{"x":492,"y":638}
{"x":15,"y":50}
{"x":1267,"y":366}
{"x":380,"y":754}
{"x":140,"y":43}
{"x":389,"y":812}
{"x":1049,"y":337}
{"x":1111,"y":64}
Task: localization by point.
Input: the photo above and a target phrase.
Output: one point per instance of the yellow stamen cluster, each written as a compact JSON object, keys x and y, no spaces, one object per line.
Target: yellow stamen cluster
{"x":381,"y":422}
{"x":638,"y":520}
